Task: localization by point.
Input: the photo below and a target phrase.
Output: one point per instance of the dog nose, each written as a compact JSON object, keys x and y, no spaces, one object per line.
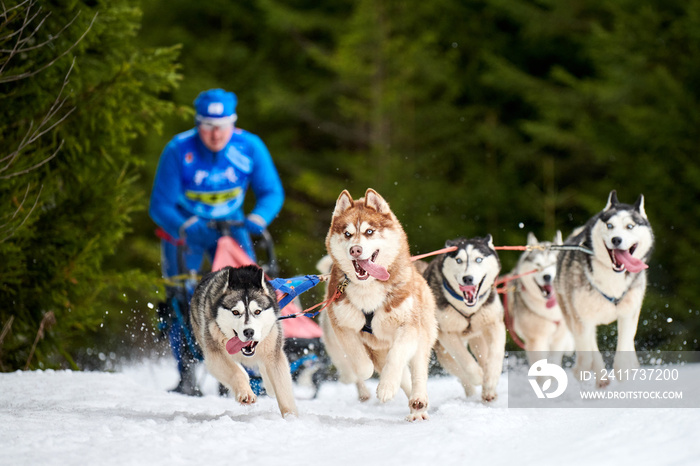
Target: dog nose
{"x":547,"y":278}
{"x":248,"y":333}
{"x":616,"y":241}
{"x":468,"y":280}
{"x":356,"y":251}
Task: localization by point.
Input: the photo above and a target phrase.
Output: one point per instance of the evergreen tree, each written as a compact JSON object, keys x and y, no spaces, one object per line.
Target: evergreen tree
{"x":470,"y":117}
{"x":620,"y":113}
{"x":75,"y":91}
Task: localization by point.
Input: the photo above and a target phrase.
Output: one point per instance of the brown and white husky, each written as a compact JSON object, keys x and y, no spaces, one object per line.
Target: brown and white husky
{"x":385,"y":319}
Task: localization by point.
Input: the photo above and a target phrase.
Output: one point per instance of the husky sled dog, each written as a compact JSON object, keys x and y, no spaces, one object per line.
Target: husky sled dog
{"x":469,"y":313}
{"x":532,"y":303}
{"x":385,"y":319}
{"x":234,"y":319}
{"x":607,"y":285}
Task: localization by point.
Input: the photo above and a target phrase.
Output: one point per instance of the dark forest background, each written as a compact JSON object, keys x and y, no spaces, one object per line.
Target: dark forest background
{"x":469,"y":117}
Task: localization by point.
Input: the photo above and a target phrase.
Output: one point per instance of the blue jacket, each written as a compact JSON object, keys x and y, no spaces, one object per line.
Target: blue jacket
{"x":191,"y":181}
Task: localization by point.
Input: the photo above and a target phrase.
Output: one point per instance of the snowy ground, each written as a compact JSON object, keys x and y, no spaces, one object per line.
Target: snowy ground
{"x":128,"y":418}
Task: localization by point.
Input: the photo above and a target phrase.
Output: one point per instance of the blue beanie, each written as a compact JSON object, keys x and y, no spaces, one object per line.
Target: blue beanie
{"x":215,"y":104}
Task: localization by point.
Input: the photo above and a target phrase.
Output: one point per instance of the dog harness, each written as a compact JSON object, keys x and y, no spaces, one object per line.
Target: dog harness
{"x":614,"y":301}
{"x":368,"y":322}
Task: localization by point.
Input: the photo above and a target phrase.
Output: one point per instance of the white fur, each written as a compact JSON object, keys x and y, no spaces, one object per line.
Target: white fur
{"x":581,"y":290}
{"x":247,"y":319}
{"x":542,"y":328}
{"x":482,"y":331}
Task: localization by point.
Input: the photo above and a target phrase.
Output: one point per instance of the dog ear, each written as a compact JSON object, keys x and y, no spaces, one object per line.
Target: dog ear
{"x":374,"y":201}
{"x":214,"y":284}
{"x":558,"y":239}
{"x":612,"y":200}
{"x":454,"y":243}
{"x":260,"y":277}
{"x":343,"y":203}
{"x":531,"y":239}
{"x":231,"y":278}
{"x":489,"y":240}
{"x":639,"y":206}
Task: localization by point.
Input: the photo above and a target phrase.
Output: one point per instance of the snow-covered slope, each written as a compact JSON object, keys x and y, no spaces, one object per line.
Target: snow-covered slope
{"x":129,"y":418}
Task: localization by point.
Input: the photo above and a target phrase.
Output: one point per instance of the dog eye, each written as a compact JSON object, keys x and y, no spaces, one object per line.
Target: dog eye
{"x":458,"y":260}
{"x":479,"y":260}
{"x":610,"y":226}
{"x":369,"y":232}
{"x":257,"y":313}
{"x":630,"y":226}
{"x":348,"y":234}
{"x":235,"y":313}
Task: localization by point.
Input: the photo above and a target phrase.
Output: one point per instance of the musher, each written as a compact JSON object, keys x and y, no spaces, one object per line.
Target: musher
{"x":203,"y":175}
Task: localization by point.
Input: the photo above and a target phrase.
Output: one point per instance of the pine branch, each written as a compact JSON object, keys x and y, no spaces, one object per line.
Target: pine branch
{"x":32,"y":135}
{"x":18,"y":46}
{"x":19,"y":208}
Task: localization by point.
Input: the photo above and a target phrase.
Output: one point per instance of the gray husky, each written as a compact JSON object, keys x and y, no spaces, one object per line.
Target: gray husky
{"x":469,"y":313}
{"x":234,"y":315}
{"x":606,"y":285}
{"x":532,"y":302}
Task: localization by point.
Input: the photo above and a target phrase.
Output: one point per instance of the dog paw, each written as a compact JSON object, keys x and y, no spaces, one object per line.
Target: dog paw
{"x":602,"y":383}
{"x":488,"y":396}
{"x":418,"y":403}
{"x":246,"y":398}
{"x":418,"y":416}
{"x":386,"y":391}
{"x":363,"y":393}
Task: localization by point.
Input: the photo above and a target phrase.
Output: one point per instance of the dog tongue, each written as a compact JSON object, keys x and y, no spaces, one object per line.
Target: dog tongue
{"x":234,"y":345}
{"x":376,"y":270}
{"x":632,"y":264}
{"x":552,"y":299}
{"x":468,"y":290}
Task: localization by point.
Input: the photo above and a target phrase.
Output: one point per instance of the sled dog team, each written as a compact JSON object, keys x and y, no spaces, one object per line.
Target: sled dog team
{"x":393,"y":312}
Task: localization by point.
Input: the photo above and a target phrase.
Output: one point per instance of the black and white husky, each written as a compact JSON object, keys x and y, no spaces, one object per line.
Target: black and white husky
{"x":234,"y":315}
{"x":532,"y":302}
{"x":469,"y":313}
{"x":607,"y":283}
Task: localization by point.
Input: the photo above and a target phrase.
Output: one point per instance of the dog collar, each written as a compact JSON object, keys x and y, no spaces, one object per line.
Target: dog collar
{"x":452,"y":292}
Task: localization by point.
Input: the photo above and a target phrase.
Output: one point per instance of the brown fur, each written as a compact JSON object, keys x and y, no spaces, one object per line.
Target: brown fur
{"x":404,"y":327}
